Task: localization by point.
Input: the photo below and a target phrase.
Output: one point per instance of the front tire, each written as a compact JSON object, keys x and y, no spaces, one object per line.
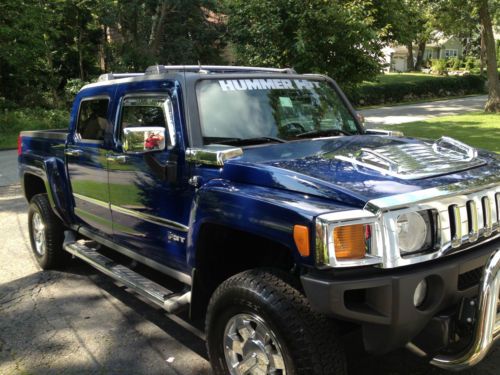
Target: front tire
{"x":258,"y":323}
{"x":46,"y":233}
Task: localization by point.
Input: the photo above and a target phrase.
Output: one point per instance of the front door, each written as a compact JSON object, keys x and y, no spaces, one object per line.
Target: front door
{"x":87,"y":165}
{"x":149,"y":199}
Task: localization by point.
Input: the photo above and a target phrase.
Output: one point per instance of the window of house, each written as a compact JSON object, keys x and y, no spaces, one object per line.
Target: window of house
{"x":450,"y":53}
{"x":92,"y":119}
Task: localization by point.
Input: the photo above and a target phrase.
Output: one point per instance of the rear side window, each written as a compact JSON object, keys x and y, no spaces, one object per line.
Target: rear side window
{"x":92,"y":119}
{"x":145,"y":111}
{"x":148,"y":111}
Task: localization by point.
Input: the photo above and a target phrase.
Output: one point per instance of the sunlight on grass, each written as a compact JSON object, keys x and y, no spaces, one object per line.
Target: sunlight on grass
{"x":401,"y":78}
{"x":477,"y":129}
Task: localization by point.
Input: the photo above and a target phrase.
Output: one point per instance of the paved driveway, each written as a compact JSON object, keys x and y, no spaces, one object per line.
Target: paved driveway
{"x":421,"y":111}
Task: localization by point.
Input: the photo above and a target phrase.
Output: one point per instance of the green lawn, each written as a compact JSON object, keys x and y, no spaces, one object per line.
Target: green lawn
{"x":401,"y":78}
{"x":477,"y":129}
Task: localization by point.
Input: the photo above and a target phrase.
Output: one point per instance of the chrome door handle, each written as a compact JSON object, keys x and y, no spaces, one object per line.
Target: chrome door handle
{"x":122,"y":159}
{"x":73,"y":152}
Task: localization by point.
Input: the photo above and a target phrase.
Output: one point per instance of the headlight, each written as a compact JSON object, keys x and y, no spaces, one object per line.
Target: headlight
{"x":415,"y":232}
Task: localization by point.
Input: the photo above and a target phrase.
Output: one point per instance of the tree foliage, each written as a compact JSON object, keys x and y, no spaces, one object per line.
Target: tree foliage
{"x":337,"y":38}
{"x":43,"y":43}
{"x":49,"y":48}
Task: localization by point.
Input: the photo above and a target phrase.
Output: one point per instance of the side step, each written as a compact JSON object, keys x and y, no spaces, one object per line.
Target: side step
{"x":156,"y":293}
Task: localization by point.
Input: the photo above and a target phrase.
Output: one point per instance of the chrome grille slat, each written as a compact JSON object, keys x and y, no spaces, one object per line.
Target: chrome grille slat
{"x":487,"y":216}
{"x":473,"y":222}
{"x":455,"y":225}
{"x":469,"y":217}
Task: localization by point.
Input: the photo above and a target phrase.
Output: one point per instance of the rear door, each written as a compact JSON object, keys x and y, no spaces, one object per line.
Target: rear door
{"x":87,"y":164}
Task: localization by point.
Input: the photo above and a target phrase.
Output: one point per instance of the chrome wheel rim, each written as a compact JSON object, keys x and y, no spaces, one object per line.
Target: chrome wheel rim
{"x":251,"y":347}
{"x":38,"y":228}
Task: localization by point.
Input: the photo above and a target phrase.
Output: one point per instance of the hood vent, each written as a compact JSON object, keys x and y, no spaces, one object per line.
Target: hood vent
{"x":411,"y":161}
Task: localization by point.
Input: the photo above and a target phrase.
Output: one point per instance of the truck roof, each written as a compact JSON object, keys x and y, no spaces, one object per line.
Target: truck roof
{"x":155,"y":71}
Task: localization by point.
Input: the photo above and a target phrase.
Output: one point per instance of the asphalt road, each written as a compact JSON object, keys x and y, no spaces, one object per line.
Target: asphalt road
{"x":8,"y":168}
{"x":422,"y":111}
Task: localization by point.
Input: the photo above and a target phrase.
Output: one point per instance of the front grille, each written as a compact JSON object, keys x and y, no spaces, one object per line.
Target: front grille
{"x":469,"y":279}
{"x":472,"y":217}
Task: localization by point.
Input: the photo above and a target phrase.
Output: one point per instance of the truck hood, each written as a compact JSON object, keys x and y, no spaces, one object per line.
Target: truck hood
{"x":356,"y":169}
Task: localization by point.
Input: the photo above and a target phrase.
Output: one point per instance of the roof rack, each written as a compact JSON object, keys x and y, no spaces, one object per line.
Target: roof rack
{"x":112,"y":76}
{"x":159,"y":69}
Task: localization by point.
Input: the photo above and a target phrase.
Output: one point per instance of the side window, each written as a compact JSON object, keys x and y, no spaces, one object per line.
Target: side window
{"x":147,"y":111}
{"x":92,"y":119}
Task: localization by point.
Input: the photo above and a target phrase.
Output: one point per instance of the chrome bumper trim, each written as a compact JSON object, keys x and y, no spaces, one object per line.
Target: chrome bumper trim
{"x":487,"y":329}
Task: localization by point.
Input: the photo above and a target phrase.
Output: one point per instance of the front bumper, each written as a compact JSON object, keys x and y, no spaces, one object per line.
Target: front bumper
{"x":487,"y":326}
{"x":382,"y":302}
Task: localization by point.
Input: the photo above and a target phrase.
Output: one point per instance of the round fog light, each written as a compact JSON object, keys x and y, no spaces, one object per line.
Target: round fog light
{"x":420,"y":293}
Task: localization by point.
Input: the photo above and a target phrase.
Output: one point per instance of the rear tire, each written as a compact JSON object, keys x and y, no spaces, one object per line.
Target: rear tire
{"x":46,"y":234}
{"x":257,"y":318}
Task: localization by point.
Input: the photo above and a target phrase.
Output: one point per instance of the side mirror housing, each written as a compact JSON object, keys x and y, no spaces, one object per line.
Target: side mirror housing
{"x":140,"y":140}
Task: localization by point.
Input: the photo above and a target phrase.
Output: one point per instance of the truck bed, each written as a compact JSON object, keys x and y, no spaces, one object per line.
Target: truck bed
{"x":46,"y":134}
{"x":43,"y":143}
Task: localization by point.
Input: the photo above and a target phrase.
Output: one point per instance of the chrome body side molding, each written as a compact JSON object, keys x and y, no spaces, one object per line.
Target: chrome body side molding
{"x":137,"y":214}
{"x":151,"y":218}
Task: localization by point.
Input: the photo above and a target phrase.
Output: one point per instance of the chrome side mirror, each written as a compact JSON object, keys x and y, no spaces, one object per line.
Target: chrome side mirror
{"x":138,"y":140}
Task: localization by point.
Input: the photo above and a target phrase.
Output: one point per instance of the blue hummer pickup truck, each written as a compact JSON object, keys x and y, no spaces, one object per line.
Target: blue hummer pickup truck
{"x":285,"y":224}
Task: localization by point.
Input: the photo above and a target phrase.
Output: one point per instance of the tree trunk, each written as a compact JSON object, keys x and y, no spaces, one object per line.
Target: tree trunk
{"x":482,"y":51}
{"x":79,"y":46}
{"x":420,"y":54}
{"x":157,"y":27}
{"x":102,"y":49}
{"x":493,"y":103}
{"x":409,"y":59}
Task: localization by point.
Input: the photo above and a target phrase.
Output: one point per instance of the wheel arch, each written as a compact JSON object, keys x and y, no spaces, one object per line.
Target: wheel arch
{"x":49,"y":177}
{"x":230,"y":233}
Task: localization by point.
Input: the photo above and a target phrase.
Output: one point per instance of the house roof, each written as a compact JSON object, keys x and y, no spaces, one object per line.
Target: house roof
{"x":438,"y":38}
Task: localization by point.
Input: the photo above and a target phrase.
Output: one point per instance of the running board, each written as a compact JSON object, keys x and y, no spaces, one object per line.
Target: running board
{"x":156,"y":293}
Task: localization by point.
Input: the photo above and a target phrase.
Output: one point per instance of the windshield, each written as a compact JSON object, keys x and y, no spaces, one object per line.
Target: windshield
{"x":268,"y":110}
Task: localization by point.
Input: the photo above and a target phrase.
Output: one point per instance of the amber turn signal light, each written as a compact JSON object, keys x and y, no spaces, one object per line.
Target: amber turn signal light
{"x":301,"y":238}
{"x":349,"y":241}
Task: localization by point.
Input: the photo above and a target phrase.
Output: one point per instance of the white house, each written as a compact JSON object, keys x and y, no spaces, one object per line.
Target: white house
{"x":439,"y":47}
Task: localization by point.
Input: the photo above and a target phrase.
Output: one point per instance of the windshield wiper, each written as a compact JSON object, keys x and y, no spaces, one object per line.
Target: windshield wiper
{"x":251,"y":141}
{"x":322,"y":132}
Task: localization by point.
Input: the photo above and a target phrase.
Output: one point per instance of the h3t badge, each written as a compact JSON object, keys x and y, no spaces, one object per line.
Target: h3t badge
{"x":172,"y":237}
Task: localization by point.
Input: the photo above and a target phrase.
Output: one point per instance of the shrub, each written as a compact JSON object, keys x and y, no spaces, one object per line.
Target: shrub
{"x":455,"y":63}
{"x":13,"y":121}
{"x":470,"y":63}
{"x":432,"y":87}
{"x":439,"y":66}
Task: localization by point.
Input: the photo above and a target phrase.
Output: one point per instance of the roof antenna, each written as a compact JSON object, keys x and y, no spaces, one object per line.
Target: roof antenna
{"x":199,"y":66}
